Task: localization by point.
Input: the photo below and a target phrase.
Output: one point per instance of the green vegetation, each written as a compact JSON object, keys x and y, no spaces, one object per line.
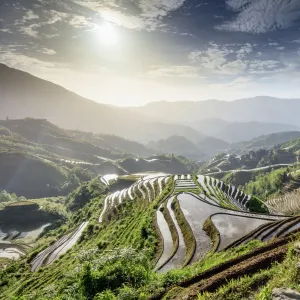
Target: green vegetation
{"x":211,"y":230}
{"x":189,"y":239}
{"x":274,"y":183}
{"x":260,"y":285}
{"x":113,"y":260}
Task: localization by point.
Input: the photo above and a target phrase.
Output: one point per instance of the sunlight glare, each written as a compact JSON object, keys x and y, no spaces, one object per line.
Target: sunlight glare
{"x":108,"y":34}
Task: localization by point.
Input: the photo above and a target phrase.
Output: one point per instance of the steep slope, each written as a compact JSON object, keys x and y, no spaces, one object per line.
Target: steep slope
{"x":112,"y":242}
{"x":114,"y":142}
{"x":57,"y":140}
{"x":202,"y":148}
{"x":23,"y":95}
{"x":179,"y":145}
{"x":265,"y":141}
{"x":30,"y":176}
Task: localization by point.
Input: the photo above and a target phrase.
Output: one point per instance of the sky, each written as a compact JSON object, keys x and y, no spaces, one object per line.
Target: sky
{"x":131,"y":52}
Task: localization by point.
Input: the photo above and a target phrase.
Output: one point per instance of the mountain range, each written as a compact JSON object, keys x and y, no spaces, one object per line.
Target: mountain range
{"x":23,"y":95}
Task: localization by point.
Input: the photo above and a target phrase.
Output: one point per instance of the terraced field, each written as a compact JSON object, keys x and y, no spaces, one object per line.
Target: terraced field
{"x":287,"y":204}
{"x":26,"y":234}
{"x":214,"y":227}
{"x":271,"y":230}
{"x":60,"y":247}
{"x":218,"y":215}
{"x":108,"y":179}
{"x":217,"y":192}
{"x":147,"y":188}
{"x":201,"y":215}
{"x":11,"y":251}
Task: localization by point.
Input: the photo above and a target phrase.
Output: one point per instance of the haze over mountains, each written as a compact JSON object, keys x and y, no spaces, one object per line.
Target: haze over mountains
{"x":23,"y":95}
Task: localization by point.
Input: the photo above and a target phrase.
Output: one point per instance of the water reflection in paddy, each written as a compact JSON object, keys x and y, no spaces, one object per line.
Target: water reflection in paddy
{"x":232,"y":227}
{"x":178,"y":259}
{"x":167,"y":238}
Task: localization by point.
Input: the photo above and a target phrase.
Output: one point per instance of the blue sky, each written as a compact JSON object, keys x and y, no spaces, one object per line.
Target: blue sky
{"x":125,"y":52}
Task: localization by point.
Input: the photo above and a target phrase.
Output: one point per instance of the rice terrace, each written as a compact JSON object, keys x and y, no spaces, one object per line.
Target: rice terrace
{"x":193,"y":217}
{"x":149,"y":150}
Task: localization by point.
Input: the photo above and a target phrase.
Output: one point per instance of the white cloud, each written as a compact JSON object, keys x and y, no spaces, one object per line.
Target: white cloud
{"x":47,"y":51}
{"x":229,"y":61}
{"x":51,"y":36}
{"x":10,"y":56}
{"x":29,"y":15}
{"x":244,"y":51}
{"x":6,"y":30}
{"x":263,"y":66}
{"x":216,"y":59}
{"x":234,"y":67}
{"x":260,"y":16}
{"x":79,"y":22}
{"x":173,"y":71}
{"x":237,"y":83}
{"x":54,"y":16}
{"x":30,"y":30}
{"x":213,"y":58}
{"x":149,"y":18}
{"x":121,"y":19}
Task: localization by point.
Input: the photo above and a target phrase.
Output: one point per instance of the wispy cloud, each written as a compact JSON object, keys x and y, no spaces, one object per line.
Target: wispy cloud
{"x":227,"y":60}
{"x":30,"y":30}
{"x":79,"y":22}
{"x":47,"y":51}
{"x":260,"y":16}
{"x":149,"y":14}
{"x":6,"y":30}
{"x":12,"y":56}
{"x":174,"y":71}
{"x":29,"y":15}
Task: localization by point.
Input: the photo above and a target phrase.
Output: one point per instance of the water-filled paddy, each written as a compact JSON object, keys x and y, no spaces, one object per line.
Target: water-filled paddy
{"x":167,"y":238}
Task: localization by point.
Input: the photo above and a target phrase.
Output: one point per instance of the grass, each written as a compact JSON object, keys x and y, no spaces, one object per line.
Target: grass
{"x":261,"y":284}
{"x":212,"y":231}
{"x":22,"y":203}
{"x":119,"y":256}
{"x":4,"y":262}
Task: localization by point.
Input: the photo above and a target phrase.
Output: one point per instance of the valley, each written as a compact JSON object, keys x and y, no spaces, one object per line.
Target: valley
{"x":89,"y":209}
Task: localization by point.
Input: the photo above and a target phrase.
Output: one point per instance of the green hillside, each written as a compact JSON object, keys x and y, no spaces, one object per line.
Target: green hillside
{"x":39,"y":159}
{"x":114,"y":244}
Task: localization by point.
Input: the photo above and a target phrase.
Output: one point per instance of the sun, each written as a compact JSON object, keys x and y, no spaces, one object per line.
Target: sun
{"x":108,"y":34}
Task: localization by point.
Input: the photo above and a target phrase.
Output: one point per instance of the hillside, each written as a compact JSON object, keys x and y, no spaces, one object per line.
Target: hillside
{"x":23,"y":95}
{"x":264,"y":141}
{"x":39,"y":159}
{"x":200,"y":149}
{"x":155,"y":237}
{"x":178,"y":145}
{"x":229,"y":121}
{"x":250,"y":160}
